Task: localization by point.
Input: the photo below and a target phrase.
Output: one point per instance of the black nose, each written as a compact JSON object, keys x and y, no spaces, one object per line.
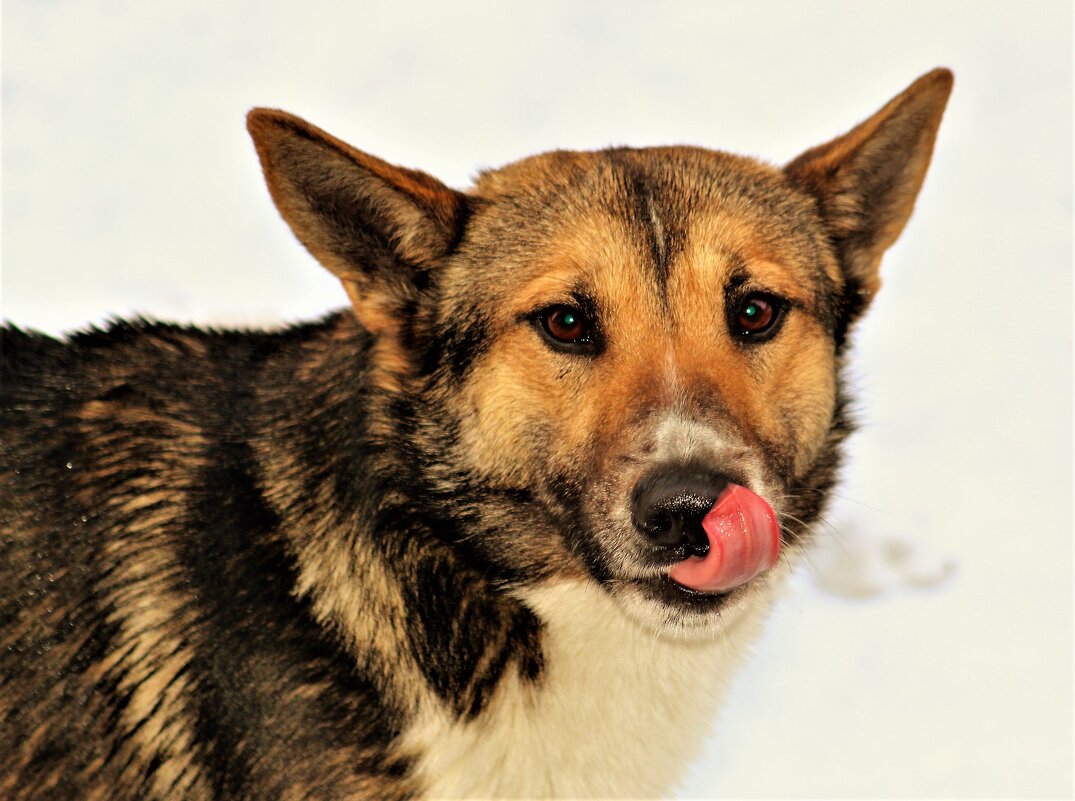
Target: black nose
{"x":669,"y":503}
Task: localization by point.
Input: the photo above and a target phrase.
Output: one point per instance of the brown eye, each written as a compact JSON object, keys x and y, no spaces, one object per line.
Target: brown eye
{"x":756,"y":316}
{"x":568,"y":329}
{"x":566,"y":324}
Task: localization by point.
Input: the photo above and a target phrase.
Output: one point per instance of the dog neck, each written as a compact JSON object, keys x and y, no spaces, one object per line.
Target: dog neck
{"x":373,"y":557}
{"x":618,"y":711}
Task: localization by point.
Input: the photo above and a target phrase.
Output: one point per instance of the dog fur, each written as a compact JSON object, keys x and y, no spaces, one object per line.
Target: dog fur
{"x":390,"y":554}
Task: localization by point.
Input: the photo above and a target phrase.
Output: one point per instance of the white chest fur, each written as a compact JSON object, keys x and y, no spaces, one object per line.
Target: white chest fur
{"x":619,"y":712}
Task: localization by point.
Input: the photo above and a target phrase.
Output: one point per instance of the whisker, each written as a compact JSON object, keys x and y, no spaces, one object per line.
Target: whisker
{"x":870,"y":506}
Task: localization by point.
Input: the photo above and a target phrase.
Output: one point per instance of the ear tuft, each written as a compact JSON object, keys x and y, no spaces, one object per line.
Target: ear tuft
{"x":866,"y":181}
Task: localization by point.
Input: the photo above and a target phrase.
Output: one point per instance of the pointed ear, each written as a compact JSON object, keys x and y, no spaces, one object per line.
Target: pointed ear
{"x":866,"y":181}
{"x":375,"y":226}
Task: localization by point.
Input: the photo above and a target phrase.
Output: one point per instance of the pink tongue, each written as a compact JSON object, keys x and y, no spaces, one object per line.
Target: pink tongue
{"x":744,"y":540}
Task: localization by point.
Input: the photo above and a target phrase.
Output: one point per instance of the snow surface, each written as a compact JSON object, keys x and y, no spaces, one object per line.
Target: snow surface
{"x":925,"y":649}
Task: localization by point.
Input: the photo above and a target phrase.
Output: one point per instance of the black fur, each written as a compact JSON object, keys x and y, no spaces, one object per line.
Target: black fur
{"x":233,"y":558}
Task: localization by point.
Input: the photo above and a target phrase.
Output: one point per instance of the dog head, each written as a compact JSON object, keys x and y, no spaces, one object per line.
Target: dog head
{"x":594,"y":348}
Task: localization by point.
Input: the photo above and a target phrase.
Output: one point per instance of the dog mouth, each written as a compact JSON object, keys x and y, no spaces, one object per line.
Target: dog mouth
{"x":742,"y":540}
{"x":731,"y":541}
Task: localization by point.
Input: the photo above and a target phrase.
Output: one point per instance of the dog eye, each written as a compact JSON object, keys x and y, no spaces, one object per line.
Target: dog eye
{"x":757,"y":316}
{"x":566,"y":324}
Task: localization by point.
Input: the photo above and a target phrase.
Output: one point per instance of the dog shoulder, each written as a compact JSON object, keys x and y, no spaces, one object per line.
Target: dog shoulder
{"x":149,"y":626}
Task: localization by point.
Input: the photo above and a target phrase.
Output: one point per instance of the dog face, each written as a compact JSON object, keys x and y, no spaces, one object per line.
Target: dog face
{"x":591,"y":347}
{"x":616,"y":351}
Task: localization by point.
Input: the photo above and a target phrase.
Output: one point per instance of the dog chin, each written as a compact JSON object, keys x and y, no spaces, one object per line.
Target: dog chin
{"x":671,"y":610}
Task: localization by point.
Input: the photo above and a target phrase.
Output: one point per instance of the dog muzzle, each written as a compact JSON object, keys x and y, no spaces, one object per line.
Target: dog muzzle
{"x":744,"y":541}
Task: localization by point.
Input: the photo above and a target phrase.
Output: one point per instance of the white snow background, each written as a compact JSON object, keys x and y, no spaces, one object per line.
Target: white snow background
{"x":926,"y":648}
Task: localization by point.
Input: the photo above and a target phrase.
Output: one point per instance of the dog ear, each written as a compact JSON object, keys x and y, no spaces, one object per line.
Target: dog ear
{"x":375,"y":226}
{"x":866,"y":181}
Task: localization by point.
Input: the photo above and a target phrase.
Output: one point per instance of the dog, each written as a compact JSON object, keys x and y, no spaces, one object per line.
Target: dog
{"x":501,"y":529}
